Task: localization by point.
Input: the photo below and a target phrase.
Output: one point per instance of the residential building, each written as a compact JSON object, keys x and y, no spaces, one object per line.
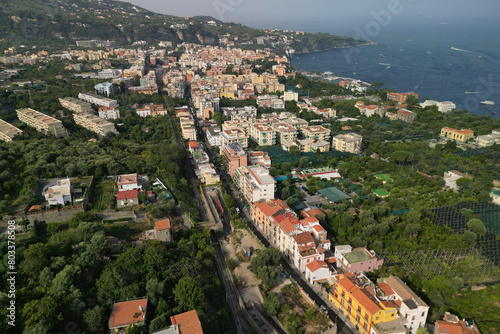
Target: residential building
{"x":235,"y":157}
{"x":358,"y":259}
{"x":242,"y":125}
{"x":58,"y":193}
{"x":127,"y":198}
{"x":207,"y":174}
{"x":296,"y":122}
{"x":411,"y":307}
{"x":270,"y":101}
{"x":187,"y":323}
{"x":75,"y":105}
{"x":259,"y":158}
{"x":442,"y":106}
{"x":463,"y":135}
{"x":129,"y":313}
{"x":213,"y":136}
{"x":451,"y":324}
{"x":110,"y":73}
{"x":305,"y":251}
{"x":7,"y":131}
{"x":248,"y":113}
{"x":370,"y":110}
{"x":95,"y":124}
{"x":316,"y":132}
{"x":495,"y":196}
{"x":41,"y":122}
{"x":162,"y":231}
{"x":286,"y":135}
{"x":290,"y":95}
{"x":127,"y":182}
{"x":356,"y":297}
{"x":488,"y":140}
{"x":264,"y":135}
{"x":451,"y":177}
{"x":312,"y":145}
{"x":105,"y":88}
{"x":400,"y":97}
{"x":317,"y":271}
{"x":349,"y":142}
{"x":188,"y":128}
{"x":98,"y":100}
{"x":109,"y":113}
{"x":234,"y":136}
{"x":255,"y":183}
{"x":406,"y":115}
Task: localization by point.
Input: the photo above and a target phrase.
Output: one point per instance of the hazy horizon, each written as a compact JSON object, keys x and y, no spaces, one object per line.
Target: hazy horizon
{"x":324,"y":16}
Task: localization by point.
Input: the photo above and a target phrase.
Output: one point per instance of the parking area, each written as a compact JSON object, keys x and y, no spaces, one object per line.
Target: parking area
{"x":311,"y":200}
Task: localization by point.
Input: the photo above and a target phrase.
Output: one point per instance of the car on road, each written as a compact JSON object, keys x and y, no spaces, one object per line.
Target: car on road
{"x":323,"y":309}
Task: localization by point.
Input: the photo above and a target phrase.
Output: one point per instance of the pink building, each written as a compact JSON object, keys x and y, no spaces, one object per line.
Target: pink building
{"x":357,"y":260}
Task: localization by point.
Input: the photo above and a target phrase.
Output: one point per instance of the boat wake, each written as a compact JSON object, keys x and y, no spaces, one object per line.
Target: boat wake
{"x":462,"y":50}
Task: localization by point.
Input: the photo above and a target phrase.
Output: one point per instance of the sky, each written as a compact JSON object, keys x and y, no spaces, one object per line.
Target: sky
{"x":324,"y":15}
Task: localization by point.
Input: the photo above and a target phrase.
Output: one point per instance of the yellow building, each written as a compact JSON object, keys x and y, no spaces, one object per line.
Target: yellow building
{"x":41,"y":122}
{"x":463,"y":135}
{"x":355,"y":297}
{"x":264,"y":135}
{"x":95,"y":124}
{"x":75,"y":105}
{"x":317,"y":132}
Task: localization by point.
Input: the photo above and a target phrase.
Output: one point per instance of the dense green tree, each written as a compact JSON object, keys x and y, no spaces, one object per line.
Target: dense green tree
{"x":272,"y":303}
{"x":477,"y":226}
{"x":94,"y":318}
{"x":189,"y":295}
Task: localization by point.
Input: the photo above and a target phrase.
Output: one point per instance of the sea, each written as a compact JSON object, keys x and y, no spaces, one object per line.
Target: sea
{"x":456,"y":61}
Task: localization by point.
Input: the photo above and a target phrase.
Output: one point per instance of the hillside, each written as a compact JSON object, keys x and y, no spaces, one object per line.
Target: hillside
{"x":59,"y":23}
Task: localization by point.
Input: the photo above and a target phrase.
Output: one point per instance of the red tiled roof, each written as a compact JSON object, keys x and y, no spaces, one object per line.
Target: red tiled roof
{"x":303,"y":238}
{"x":287,"y":226}
{"x":448,"y":327}
{"x":188,"y":322}
{"x":127,"y":194}
{"x":315,"y":265}
{"x":318,"y":228}
{"x":386,"y":289}
{"x":123,"y":313}
{"x":193,"y":144}
{"x":162,"y":224}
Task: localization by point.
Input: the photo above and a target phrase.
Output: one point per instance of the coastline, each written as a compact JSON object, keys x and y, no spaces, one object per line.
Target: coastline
{"x":334,"y":48}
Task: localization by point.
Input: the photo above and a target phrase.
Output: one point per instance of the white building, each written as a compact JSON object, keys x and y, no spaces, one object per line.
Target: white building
{"x":58,"y":193}
{"x":488,"y":140}
{"x":444,"y":106}
{"x":98,"y":100}
{"x":451,"y":177}
{"x":105,"y":88}
{"x":255,"y":183}
{"x":290,"y":95}
{"x":109,"y":113}
{"x":317,"y":271}
{"x":213,"y":136}
{"x":127,"y":182}
{"x":350,"y":142}
{"x":412,"y":307}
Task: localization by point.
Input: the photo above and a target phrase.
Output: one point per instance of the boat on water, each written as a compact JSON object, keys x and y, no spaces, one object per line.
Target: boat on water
{"x":488,"y":103}
{"x":493,"y":112}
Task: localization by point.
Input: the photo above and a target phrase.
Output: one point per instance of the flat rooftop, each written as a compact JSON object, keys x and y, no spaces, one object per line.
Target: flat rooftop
{"x":357,"y":255}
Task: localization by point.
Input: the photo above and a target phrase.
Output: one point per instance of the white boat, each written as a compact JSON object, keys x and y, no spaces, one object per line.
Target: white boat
{"x":488,"y":103}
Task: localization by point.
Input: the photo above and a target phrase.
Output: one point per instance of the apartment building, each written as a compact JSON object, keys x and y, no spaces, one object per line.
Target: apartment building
{"x":488,"y":140}
{"x":233,"y":125}
{"x":349,"y":142}
{"x":357,"y":298}
{"x":109,"y":113}
{"x":452,"y":324}
{"x":290,"y":95}
{"x":41,"y":122}
{"x":296,"y":122}
{"x":105,"y":88}
{"x":188,"y":128}
{"x":305,"y":250}
{"x":311,"y":145}
{"x":400,"y":97}
{"x":98,"y":100}
{"x":259,"y":158}
{"x":255,"y":183}
{"x":234,"y":136}
{"x":95,"y":124}
{"x":75,"y":105}
{"x":7,"y":131}
{"x":316,"y":132}
{"x":264,"y":135}
{"x":355,"y":260}
{"x":286,"y":135}
{"x":406,"y":115}
{"x":213,"y":136}
{"x":463,"y":135}
{"x":207,"y":174}
{"x":235,"y":157}
{"x":443,"y":107}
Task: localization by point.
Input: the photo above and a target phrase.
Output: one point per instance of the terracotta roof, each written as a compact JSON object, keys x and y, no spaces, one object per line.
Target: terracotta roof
{"x":287,"y":226}
{"x":266,"y":209}
{"x":448,"y":327}
{"x":386,"y":289}
{"x":303,"y":238}
{"x":402,"y":290}
{"x":127,"y":194}
{"x":315,"y":265}
{"x":366,"y":301}
{"x":193,"y":144}
{"x":313,"y":212}
{"x":464,"y":131}
{"x":123,"y":313}
{"x":162,"y":224}
{"x":318,"y":228}
{"x":188,"y":322}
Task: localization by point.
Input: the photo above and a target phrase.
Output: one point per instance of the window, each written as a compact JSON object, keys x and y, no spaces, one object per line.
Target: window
{"x":423,"y":314}
{"x":413,"y":318}
{"x":365,"y":327}
{"x":357,"y":318}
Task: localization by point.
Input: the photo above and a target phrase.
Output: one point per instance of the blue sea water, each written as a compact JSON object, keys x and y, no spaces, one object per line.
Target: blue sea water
{"x":455,"y":61}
